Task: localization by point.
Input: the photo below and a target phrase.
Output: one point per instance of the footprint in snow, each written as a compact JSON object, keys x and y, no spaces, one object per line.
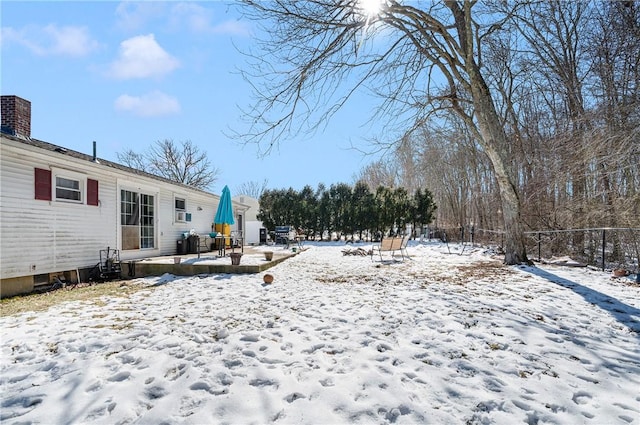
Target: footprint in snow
{"x":327,"y":382}
{"x":203,"y":386}
{"x":581,"y":397}
{"x":588,"y":379}
{"x":119,"y":377}
{"x":232,"y":363}
{"x":313,"y":348}
{"x":250,"y":337}
{"x":175,"y":372}
{"x":294,"y":396}
{"x":263,"y":383}
{"x":383,"y":347}
{"x":156,"y":392}
{"x":494,"y":384}
{"x":521,"y":405}
{"x":128,"y":359}
{"x":626,"y":418}
{"x":95,"y":386}
{"x":626,"y":407}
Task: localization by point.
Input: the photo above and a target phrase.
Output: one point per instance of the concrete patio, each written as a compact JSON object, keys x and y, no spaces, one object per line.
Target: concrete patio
{"x":253,"y":260}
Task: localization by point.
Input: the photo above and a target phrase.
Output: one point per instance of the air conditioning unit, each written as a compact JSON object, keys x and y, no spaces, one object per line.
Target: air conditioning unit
{"x":180,"y":216}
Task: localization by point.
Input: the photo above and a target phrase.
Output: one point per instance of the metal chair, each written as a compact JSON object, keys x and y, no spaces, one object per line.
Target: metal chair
{"x":109,"y":267}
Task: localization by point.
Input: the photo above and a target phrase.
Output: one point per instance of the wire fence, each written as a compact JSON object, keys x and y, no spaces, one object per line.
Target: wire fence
{"x":603,"y":247}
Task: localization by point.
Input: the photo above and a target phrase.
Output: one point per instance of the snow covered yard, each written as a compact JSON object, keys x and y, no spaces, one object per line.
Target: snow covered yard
{"x":440,"y":338}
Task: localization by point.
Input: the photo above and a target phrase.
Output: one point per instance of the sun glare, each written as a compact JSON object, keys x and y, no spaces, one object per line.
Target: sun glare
{"x":370,"y":7}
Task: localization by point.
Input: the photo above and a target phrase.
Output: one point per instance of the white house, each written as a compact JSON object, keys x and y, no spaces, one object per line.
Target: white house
{"x":59,"y":208}
{"x":252,"y":224}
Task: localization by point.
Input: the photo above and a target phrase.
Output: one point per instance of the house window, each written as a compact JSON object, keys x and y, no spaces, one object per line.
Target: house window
{"x":67,"y":186}
{"x":180,"y":210}
{"x":68,"y":189}
{"x":137,"y":220}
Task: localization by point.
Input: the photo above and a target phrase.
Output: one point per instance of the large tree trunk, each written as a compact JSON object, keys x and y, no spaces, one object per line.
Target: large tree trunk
{"x":492,"y":137}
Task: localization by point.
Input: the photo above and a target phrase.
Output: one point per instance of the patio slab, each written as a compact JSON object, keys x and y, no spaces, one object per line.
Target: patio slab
{"x":252,"y":261}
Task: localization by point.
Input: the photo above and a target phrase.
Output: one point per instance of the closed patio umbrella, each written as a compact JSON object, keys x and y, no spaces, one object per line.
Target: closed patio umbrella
{"x":224,"y":215}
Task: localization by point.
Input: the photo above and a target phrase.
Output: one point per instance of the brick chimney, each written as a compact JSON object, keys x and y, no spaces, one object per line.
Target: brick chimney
{"x":16,"y":116}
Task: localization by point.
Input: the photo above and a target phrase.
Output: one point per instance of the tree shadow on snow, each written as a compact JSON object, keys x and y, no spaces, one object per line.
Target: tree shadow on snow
{"x":623,"y":313}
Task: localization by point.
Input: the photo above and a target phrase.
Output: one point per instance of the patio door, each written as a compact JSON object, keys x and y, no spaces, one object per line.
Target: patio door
{"x":137,"y":220}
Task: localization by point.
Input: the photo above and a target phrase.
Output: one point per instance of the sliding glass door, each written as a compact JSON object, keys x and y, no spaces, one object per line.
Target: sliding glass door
{"x":137,"y":220}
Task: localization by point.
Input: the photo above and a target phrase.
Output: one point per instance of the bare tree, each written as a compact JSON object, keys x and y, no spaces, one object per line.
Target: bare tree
{"x":382,"y":172}
{"x":253,"y":189}
{"x":564,"y":78}
{"x":419,"y":58}
{"x":183,"y":163}
{"x":616,"y":51}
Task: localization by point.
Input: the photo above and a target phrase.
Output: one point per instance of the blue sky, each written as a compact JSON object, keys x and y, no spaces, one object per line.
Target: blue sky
{"x":126,"y":74}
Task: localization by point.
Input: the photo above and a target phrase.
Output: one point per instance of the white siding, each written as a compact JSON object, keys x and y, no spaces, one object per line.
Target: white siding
{"x":45,"y":236}
{"x":253,"y":225}
{"x":201,"y":220}
{"x":252,"y":233}
{"x":252,"y":206}
{"x":49,"y":236}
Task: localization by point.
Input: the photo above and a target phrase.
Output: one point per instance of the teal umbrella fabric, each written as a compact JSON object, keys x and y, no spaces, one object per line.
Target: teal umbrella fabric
{"x":224,"y":215}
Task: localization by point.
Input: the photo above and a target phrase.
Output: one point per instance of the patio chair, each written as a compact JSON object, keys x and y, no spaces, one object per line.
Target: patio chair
{"x":403,"y":246}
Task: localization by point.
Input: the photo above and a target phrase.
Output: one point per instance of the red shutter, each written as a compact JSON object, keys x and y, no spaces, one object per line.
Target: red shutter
{"x":92,"y":192}
{"x":43,"y":184}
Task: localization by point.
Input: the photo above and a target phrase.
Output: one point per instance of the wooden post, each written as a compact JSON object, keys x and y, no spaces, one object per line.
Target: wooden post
{"x":539,"y":246}
{"x":604,"y":242}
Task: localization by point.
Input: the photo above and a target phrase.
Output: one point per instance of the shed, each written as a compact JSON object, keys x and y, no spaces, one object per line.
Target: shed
{"x":252,"y":224}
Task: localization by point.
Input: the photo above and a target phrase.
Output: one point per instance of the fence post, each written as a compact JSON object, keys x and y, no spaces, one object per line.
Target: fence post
{"x":604,"y":242}
{"x":539,"y":243}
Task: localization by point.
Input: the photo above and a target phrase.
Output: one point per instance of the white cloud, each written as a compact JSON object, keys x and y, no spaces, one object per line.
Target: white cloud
{"x":200,"y":19}
{"x":52,"y":40}
{"x":132,"y":16}
{"x":196,"y":18}
{"x":71,"y":41}
{"x":142,"y":57}
{"x":177,"y":17}
{"x":152,"y":104}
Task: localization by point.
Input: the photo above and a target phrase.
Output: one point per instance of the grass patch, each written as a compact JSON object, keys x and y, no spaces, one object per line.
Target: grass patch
{"x":90,"y":293}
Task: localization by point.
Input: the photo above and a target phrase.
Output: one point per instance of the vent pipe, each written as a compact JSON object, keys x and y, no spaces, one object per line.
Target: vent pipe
{"x":95,"y":158}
